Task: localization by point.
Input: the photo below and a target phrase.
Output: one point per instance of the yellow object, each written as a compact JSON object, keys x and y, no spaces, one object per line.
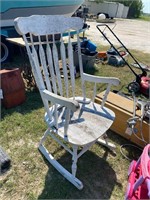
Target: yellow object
{"x":123,"y":109}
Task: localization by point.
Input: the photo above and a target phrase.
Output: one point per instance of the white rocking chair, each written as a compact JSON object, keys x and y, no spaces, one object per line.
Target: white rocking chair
{"x":75,"y":120}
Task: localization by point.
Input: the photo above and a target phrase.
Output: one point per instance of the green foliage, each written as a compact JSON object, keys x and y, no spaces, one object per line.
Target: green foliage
{"x":99,"y":1}
{"x":135,"y":9}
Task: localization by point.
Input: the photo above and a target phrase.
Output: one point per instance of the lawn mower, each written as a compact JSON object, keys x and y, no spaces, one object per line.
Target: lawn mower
{"x":142,"y":82}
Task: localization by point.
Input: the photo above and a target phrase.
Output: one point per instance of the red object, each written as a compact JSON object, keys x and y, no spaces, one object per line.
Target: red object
{"x":139,"y":177}
{"x":102,"y":55}
{"x":122,"y":53}
{"x":13,"y":87}
{"x":145,"y":85}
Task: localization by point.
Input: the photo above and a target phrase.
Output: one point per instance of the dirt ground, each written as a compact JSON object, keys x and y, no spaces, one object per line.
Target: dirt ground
{"x":134,"y":34}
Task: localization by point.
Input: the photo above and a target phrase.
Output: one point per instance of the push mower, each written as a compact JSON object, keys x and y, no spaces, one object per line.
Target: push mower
{"x":142,"y":82}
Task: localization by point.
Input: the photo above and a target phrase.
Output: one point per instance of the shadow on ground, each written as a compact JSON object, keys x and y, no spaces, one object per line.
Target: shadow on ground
{"x":33,"y":101}
{"x":97,"y":176}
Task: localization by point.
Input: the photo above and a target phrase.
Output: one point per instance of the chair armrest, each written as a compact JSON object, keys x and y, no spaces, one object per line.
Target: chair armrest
{"x":63,"y":101}
{"x":98,"y":79}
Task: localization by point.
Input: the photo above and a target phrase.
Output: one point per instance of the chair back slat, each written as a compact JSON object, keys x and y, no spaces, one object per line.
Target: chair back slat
{"x":64,"y":66}
{"x":44,"y":66}
{"x":38,"y":74}
{"x":33,"y":61}
{"x":57,"y":67}
{"x":71,"y":65}
{"x":80,"y":64}
{"x":51,"y":67}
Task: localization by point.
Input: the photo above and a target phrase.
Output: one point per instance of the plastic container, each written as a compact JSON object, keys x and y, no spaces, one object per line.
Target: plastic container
{"x":102,"y":55}
{"x":13,"y":88}
{"x":88,"y":44}
{"x":139,"y":177}
{"x":87,"y":60}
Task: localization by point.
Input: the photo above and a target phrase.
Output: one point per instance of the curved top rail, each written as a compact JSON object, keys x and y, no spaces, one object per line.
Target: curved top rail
{"x":47,"y":24}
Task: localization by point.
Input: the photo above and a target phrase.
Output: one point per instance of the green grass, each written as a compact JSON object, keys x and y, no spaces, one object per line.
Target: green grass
{"x":145,"y":17}
{"x":31,"y":177}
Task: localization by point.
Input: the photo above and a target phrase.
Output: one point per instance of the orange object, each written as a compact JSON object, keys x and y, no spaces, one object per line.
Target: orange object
{"x":102,"y":55}
{"x":13,"y":87}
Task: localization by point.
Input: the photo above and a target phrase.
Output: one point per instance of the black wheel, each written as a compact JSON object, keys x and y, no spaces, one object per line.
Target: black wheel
{"x":5,"y":50}
{"x":134,"y":87}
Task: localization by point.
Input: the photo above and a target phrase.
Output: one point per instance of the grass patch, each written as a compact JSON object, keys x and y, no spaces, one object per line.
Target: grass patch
{"x":145,"y":17}
{"x":31,"y":177}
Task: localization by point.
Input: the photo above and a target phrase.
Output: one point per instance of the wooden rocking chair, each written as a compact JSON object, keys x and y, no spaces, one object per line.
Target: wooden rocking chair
{"x":71,"y":118}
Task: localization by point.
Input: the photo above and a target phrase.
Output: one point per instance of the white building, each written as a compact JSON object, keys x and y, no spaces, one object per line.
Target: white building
{"x":111,"y":9}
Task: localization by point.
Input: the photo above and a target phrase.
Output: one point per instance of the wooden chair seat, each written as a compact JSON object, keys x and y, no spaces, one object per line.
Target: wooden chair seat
{"x":86,"y":125}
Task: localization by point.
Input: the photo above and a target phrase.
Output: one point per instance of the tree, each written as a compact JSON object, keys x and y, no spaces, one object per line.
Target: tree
{"x":136,"y":8}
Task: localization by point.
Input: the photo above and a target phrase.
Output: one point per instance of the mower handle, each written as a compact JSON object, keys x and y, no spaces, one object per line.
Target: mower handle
{"x":144,"y":73}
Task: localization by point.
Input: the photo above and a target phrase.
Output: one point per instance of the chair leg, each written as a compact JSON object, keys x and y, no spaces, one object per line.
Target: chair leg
{"x":74,"y":160}
{"x":44,"y":136}
{"x":70,"y":177}
{"x":105,"y":143}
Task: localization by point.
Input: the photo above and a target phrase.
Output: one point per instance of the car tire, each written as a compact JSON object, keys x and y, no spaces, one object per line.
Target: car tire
{"x":5,"y":50}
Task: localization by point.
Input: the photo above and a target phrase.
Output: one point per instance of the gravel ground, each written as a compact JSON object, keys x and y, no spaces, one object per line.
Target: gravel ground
{"x":134,"y":34}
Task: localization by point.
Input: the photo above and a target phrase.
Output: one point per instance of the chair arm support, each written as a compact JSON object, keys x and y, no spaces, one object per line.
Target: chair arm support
{"x":98,"y":79}
{"x":63,"y":101}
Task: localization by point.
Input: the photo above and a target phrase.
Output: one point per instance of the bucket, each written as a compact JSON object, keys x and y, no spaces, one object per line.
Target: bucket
{"x":87,"y":61}
{"x":13,"y":88}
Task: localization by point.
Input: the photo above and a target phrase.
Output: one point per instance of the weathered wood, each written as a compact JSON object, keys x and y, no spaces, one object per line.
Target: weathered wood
{"x":86,"y":125}
{"x":50,"y":25}
{"x":72,"y":119}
